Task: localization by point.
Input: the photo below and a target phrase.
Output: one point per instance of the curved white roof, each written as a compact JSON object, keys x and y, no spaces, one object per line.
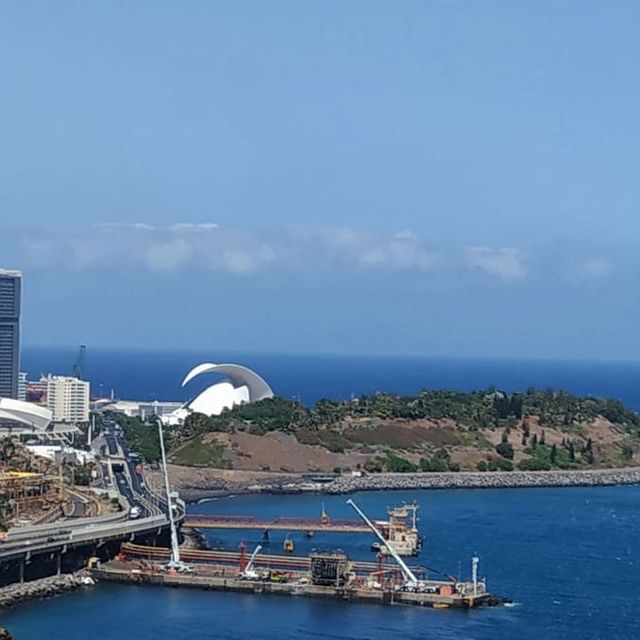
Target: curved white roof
{"x":26,"y":413}
{"x":238,"y":375}
{"x":214,"y":399}
{"x":240,"y":385}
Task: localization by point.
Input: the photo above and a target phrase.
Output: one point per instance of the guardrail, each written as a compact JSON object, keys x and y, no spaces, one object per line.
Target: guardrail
{"x":87,"y":533}
{"x":31,"y":530}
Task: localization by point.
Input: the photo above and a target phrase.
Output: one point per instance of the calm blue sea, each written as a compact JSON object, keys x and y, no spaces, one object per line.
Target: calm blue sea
{"x":147,"y":375}
{"x":569,"y":558}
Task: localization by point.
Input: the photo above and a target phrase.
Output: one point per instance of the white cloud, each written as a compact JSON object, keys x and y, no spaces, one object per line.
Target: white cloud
{"x":169,"y":256}
{"x":248,"y":260}
{"x":138,"y":226}
{"x":589,"y":270}
{"x":598,"y":268}
{"x":363,"y":250}
{"x":208,"y":247}
{"x":191,"y":227}
{"x":508,"y":263}
{"x":401,"y":252}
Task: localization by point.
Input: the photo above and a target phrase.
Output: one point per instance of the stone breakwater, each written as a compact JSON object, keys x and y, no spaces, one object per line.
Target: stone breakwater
{"x":17,"y":593}
{"x":199,"y":484}
{"x":484,"y":480}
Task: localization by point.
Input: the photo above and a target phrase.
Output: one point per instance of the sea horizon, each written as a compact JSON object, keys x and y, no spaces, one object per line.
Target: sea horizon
{"x":156,"y":374}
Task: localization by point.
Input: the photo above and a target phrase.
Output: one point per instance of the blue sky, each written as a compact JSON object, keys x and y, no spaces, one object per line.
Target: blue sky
{"x":447,"y":178}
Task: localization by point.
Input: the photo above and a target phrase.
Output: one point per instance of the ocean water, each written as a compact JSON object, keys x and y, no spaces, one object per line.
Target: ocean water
{"x":569,"y":558}
{"x":147,"y":375}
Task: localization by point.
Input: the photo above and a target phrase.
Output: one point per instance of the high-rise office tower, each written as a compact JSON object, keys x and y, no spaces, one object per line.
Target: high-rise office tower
{"x":10,"y":290}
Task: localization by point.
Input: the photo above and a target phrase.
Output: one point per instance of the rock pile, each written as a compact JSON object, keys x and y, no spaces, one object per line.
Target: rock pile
{"x":43,"y":588}
{"x":484,"y":480}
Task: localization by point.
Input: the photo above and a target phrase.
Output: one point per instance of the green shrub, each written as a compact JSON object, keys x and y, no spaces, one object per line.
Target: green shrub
{"x":434,"y":464}
{"x":534,"y":464}
{"x":395,"y":464}
{"x":505,"y":450}
{"x":500,"y":465}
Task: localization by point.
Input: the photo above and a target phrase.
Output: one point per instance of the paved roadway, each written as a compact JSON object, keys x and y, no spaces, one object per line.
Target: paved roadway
{"x":121,"y":466}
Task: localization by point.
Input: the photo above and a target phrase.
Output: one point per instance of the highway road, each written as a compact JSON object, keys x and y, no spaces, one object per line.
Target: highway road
{"x":146,"y":511}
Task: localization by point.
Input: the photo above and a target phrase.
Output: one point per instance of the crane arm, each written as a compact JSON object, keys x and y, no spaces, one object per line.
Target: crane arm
{"x":252,"y":558}
{"x":405,"y":569}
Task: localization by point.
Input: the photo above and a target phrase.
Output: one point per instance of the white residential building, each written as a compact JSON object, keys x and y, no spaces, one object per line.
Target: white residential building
{"x":67,"y":398}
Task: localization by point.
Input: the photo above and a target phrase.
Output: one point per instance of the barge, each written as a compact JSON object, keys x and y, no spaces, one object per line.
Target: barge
{"x":320,"y":575}
{"x":324,"y":582}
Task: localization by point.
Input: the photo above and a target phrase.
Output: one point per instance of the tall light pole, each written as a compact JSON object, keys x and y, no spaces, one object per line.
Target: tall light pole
{"x":174,"y":562}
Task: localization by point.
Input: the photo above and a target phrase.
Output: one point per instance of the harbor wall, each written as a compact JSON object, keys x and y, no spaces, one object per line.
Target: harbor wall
{"x":484,"y":480}
{"x":195,"y":489}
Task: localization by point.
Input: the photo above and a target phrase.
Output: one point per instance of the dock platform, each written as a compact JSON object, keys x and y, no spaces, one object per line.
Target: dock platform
{"x":116,"y":572}
{"x":287,"y":575}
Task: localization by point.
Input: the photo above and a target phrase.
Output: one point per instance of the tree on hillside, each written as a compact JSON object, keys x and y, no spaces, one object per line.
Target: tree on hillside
{"x":505,"y":450}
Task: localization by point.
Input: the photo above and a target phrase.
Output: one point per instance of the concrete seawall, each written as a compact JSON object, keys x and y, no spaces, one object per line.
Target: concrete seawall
{"x":484,"y":480}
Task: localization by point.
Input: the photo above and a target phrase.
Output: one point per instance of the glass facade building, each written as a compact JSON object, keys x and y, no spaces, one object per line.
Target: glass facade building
{"x":10,"y":298}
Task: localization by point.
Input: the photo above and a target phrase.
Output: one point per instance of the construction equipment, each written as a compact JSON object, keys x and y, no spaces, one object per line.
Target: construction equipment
{"x":174,"y":563}
{"x":249,"y":573}
{"x":411,"y":582}
{"x":329,"y":569}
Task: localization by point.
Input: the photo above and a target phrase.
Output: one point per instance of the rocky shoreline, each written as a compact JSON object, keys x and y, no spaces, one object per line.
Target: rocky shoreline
{"x":485,"y":480}
{"x":293,"y":484}
{"x":18,"y":593}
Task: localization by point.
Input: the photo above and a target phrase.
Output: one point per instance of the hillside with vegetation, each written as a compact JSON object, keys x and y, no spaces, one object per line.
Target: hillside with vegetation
{"x":429,"y":431}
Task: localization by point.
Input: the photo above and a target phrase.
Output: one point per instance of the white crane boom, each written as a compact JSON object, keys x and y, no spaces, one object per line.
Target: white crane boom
{"x":252,"y":558}
{"x":409,"y":575}
{"x":174,"y":561}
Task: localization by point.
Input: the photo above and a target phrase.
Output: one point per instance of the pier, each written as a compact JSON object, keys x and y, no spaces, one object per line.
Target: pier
{"x":306,"y":525}
{"x":399,"y":531}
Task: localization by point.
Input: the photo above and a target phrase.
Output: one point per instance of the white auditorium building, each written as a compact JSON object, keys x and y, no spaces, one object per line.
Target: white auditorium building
{"x":239,"y":385}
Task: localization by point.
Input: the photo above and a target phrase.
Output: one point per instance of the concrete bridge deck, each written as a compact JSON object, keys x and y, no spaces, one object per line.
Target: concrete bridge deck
{"x":201,"y":521}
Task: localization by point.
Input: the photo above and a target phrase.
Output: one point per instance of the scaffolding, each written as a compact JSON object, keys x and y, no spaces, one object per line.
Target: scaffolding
{"x":25,"y":494}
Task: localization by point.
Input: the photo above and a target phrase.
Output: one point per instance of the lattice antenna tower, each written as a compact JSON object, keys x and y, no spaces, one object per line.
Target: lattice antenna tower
{"x":78,"y":366}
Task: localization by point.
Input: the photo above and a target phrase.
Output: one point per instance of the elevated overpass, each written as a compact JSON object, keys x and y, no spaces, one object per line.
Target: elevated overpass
{"x":64,"y":545}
